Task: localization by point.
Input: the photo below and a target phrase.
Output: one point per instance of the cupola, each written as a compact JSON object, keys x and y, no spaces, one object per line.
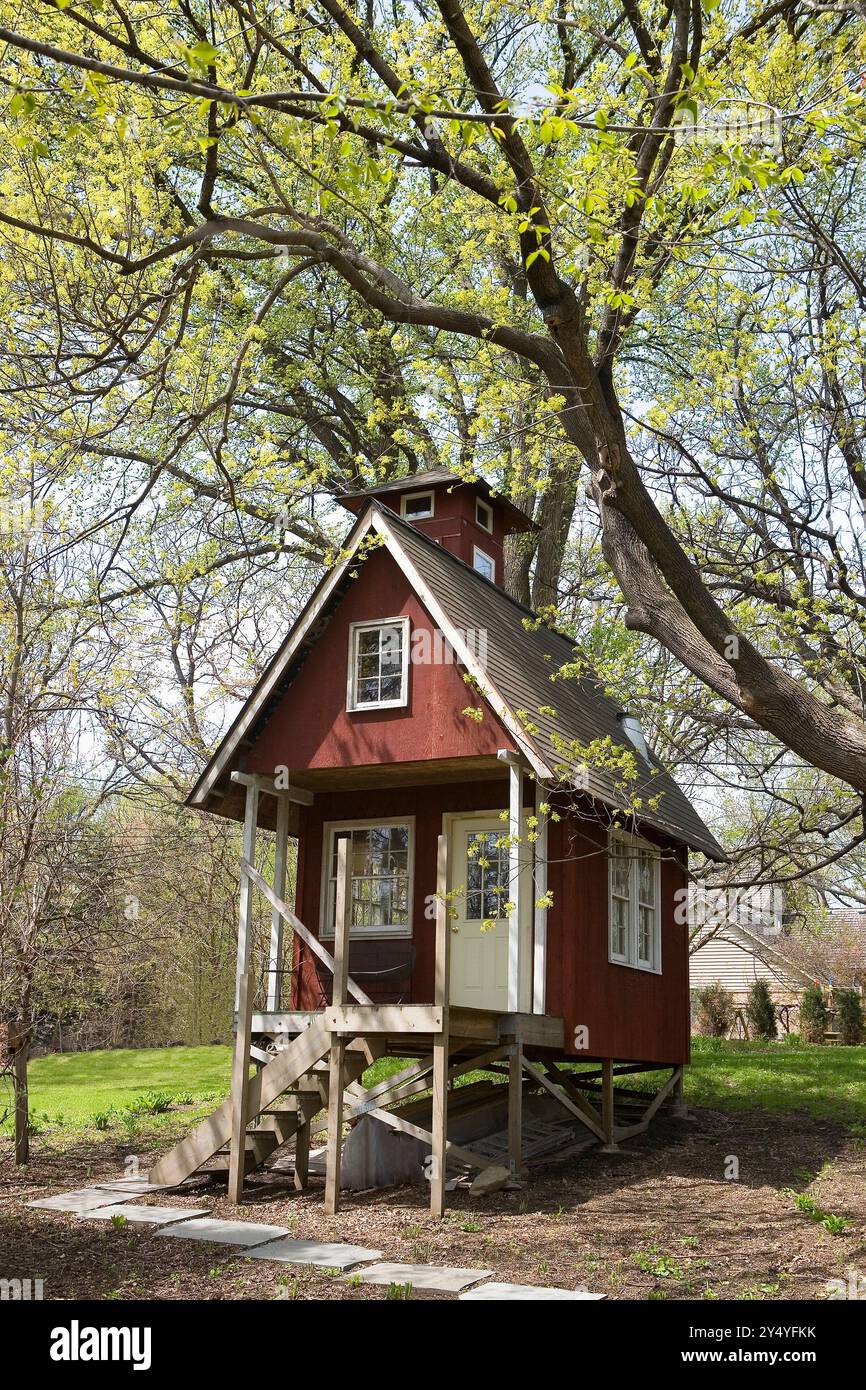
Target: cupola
{"x":467,"y":518}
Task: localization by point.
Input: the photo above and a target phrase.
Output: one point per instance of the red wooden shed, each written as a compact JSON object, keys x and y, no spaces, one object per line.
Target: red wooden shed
{"x":491,"y":864}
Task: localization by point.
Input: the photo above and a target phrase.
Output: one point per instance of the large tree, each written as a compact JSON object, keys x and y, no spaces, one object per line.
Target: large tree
{"x":255,"y":250}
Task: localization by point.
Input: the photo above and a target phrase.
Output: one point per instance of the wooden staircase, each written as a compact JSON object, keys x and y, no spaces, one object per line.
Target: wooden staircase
{"x":283,"y":1098}
{"x":287,"y":1069}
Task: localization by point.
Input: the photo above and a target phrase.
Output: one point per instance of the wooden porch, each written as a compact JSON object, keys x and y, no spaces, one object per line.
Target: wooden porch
{"x":307,"y":1061}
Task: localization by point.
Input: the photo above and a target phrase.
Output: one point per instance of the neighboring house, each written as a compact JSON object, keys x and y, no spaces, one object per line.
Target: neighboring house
{"x":735,"y":956}
{"x":411,"y":733}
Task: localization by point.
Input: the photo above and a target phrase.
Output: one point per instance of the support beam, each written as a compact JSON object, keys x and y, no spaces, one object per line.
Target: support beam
{"x":281,"y":852}
{"x":581,"y":1109}
{"x":269,"y":787}
{"x":441,"y":990}
{"x":251,"y":817}
{"x":608,"y":1122}
{"x":539,"y":914}
{"x":240,"y":1092}
{"x":342,"y":924}
{"x":515,"y":1108}
{"x":679,"y":1109}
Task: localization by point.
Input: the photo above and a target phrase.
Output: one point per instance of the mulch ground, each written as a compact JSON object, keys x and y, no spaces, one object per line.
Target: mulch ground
{"x":659,"y":1220}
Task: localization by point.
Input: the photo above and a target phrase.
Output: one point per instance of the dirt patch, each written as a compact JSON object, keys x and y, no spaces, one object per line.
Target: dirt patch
{"x":663,"y":1219}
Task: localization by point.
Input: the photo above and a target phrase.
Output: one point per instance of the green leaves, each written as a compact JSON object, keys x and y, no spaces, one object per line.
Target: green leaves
{"x":201,"y":55}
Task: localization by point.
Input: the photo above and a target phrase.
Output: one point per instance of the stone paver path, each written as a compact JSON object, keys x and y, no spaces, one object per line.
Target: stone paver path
{"x":444,"y":1278}
{"x":514,"y":1292}
{"x":313,"y":1252}
{"x":223,"y":1232}
{"x":155,"y":1216}
{"x":79,"y":1202}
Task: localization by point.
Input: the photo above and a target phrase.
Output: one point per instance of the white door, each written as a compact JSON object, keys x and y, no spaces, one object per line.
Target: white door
{"x":478,"y":880}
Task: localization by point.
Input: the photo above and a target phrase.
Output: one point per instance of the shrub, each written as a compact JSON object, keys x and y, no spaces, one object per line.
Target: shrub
{"x":151,"y":1103}
{"x":761,"y":1011}
{"x":715,"y":1010}
{"x":813,"y":1014}
{"x":849,"y":1017}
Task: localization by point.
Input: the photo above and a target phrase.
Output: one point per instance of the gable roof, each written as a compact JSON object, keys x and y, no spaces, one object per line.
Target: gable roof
{"x":518,"y":679}
{"x":756,"y":944}
{"x":516,"y":519}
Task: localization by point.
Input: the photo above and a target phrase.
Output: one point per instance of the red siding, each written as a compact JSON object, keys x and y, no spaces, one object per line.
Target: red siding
{"x":311,"y":727}
{"x":427,"y":805}
{"x":631,"y":1015}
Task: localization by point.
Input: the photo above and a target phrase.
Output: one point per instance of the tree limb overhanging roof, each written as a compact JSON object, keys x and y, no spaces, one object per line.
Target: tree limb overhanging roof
{"x":519,"y":680}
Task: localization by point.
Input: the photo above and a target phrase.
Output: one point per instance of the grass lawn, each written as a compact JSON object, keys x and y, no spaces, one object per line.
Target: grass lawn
{"x":78,"y":1085}
{"x":828,"y":1083}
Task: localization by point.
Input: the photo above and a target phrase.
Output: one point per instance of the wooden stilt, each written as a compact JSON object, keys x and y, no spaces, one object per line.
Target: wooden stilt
{"x":607,"y":1110}
{"x":336,"y":1067}
{"x":515,"y":1108}
{"x":302,"y":1148}
{"x":438,"y":1157}
{"x":679,"y":1109}
{"x":240,"y":1091}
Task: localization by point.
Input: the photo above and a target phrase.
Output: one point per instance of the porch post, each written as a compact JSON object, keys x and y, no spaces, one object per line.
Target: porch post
{"x":281,"y":848}
{"x":342,"y":921}
{"x":439,"y":1153}
{"x":516,"y":888}
{"x":539,"y":914}
{"x":251,"y":816}
{"x":515,"y":1106}
{"x":608,"y":1121}
{"x":240,"y":1092}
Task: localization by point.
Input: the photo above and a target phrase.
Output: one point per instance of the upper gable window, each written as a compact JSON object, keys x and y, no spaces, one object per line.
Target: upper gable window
{"x":484,"y":564}
{"x":415,"y":506}
{"x":634,"y":920}
{"x":378,"y":664}
{"x":484,"y":515}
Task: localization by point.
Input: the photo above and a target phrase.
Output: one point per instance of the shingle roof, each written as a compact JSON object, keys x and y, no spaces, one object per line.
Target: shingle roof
{"x":522,"y":663}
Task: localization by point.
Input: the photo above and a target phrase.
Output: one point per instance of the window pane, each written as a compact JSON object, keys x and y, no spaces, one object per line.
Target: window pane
{"x":380,"y":877}
{"x":646,"y":932}
{"x":391,"y":687}
{"x":647,"y":878}
{"x":367,"y":691}
{"x":368,"y":641}
{"x":473,"y":907}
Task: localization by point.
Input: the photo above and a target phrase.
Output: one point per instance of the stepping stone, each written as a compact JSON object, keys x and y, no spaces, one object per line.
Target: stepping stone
{"x":223,"y":1232}
{"x":155,"y":1216}
{"x":515,"y":1292}
{"x":440,"y":1277}
{"x":138,"y":1186}
{"x":313,"y":1252}
{"x":79,"y":1202}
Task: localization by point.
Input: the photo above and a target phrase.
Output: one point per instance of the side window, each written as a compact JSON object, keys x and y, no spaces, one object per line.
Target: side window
{"x":634,"y":919}
{"x":378,"y":664}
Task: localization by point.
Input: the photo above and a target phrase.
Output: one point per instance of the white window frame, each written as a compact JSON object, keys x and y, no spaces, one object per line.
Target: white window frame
{"x":358,"y":707}
{"x":481,"y":505}
{"x":329,"y":829}
{"x":414,"y":497}
{"x":476,"y":551}
{"x":633,"y":844}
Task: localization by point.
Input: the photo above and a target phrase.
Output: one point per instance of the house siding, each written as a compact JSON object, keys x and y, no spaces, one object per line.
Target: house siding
{"x":311,"y":727}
